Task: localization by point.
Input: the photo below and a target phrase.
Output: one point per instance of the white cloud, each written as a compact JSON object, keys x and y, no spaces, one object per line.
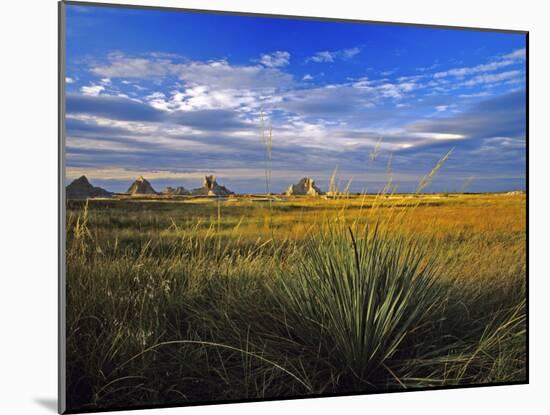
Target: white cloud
{"x":275,"y":59}
{"x":331,"y":56}
{"x":506,"y":142}
{"x":503,"y":61}
{"x":441,"y":108}
{"x":204,"y":97}
{"x":158,"y":100}
{"x":462,"y":72}
{"x":349,"y":53}
{"x":121,"y":66}
{"x":325,"y":56}
{"x":307,"y":77}
{"x":220,"y":74}
{"x":217,"y":74}
{"x":407,"y":86}
{"x":343,"y":100}
{"x":492,"y":78}
{"x":205,"y":85}
{"x":363,"y":82}
{"x":69,"y":80}
{"x":497,"y":145}
{"x":390,"y":90}
{"x":518,"y":54}
{"x":92,"y":90}
{"x":439,"y":136}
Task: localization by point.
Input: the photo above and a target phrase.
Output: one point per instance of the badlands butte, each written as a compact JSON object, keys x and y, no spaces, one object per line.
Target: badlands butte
{"x":81,"y":188}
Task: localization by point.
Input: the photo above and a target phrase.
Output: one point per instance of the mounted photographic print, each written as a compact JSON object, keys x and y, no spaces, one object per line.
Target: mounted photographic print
{"x":258,"y":207}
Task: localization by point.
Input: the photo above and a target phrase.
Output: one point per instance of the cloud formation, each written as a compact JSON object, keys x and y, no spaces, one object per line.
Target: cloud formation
{"x":503,"y":116}
{"x":216,"y":73}
{"x":92,"y":90}
{"x":331,"y":56}
{"x":174,"y":118}
{"x":500,"y":62}
{"x":124,"y":109}
{"x":275,"y":59}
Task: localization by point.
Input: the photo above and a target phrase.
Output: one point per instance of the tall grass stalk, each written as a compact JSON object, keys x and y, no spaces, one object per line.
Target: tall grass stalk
{"x":427,"y":179}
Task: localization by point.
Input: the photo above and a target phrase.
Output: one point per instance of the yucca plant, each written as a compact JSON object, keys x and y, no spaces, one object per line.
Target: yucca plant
{"x":358,"y":293}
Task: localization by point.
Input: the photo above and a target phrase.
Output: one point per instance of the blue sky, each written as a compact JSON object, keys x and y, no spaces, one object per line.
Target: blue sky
{"x":174,"y":96}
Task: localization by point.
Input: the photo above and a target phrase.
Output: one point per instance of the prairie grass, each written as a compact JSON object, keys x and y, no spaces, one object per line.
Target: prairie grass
{"x":182,"y":301}
{"x":358,"y":294}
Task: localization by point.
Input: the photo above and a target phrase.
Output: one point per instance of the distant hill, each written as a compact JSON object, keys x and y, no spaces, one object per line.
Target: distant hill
{"x":210,"y":187}
{"x":81,"y":188}
{"x":305,"y":187}
{"x":141,"y":187}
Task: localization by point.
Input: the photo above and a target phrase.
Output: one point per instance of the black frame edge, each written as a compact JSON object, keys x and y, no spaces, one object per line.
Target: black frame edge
{"x":61,"y":303}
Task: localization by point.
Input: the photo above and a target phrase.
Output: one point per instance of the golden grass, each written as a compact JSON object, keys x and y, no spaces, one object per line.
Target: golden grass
{"x":179,"y":300}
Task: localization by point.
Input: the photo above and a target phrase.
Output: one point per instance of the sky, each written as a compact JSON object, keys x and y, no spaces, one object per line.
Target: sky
{"x":174,"y":96}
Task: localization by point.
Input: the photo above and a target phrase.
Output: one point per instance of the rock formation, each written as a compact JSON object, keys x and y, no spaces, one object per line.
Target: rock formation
{"x":305,"y":187}
{"x":141,"y":187}
{"x":211,"y":188}
{"x":180,"y":190}
{"x":82,"y":189}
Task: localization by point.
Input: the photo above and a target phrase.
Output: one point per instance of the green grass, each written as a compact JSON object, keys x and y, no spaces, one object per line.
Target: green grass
{"x":359,"y":295}
{"x":173,"y":302}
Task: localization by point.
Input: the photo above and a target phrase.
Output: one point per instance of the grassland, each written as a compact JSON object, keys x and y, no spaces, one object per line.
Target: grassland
{"x":191,"y":300}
